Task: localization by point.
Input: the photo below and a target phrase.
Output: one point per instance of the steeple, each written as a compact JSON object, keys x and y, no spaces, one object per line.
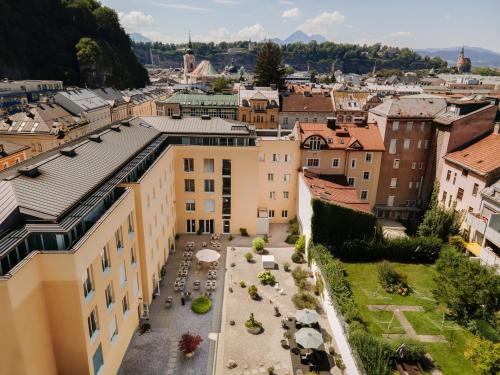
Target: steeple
{"x":190,"y":45}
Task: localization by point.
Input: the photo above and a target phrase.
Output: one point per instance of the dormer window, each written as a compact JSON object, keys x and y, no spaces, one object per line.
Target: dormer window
{"x":314,"y":143}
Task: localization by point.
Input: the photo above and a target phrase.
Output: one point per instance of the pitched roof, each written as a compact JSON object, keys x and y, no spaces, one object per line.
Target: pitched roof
{"x":313,"y":103}
{"x":331,"y":192}
{"x":196,"y":125}
{"x":480,"y":157}
{"x":10,"y":148}
{"x":204,"y":69}
{"x":410,"y":107}
{"x":344,"y":137}
{"x":202,"y":99}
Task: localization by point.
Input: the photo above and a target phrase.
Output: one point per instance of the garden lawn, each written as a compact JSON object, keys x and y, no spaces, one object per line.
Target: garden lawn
{"x":367,"y":291}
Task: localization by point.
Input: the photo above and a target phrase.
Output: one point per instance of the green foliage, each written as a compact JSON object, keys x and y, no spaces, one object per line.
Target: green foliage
{"x":201,"y":305}
{"x":252,"y":323}
{"x":243,"y":284}
{"x":243,"y":232}
{"x":249,"y":257}
{"x":469,"y":289}
{"x":305,"y":300}
{"x":392,"y":280}
{"x":439,"y":221}
{"x":375,"y":353}
{"x":293,"y":226}
{"x":300,"y":274}
{"x":291,"y":239}
{"x":457,"y":242}
{"x":485,"y":356}
{"x":253,"y":292}
{"x":220,"y":83}
{"x":332,"y":225}
{"x":300,"y":245}
{"x":269,"y":67}
{"x":297,"y":258}
{"x":286,"y":266}
{"x":258,"y":244}
{"x":484,"y":71}
{"x":414,"y":350}
{"x":266,"y":278}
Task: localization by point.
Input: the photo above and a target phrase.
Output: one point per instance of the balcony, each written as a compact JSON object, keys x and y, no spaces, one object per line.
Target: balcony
{"x":476,"y":221}
{"x":490,"y":258}
{"x":492,"y":233}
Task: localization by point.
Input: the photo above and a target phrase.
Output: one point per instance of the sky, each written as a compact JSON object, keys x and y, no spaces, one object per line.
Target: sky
{"x":403,"y":23}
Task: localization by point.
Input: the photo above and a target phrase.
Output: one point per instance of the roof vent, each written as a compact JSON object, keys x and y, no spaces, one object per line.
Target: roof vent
{"x":125,"y":123}
{"x":116,"y":128}
{"x":68,"y":151}
{"x":176,"y":116}
{"x":95,"y":138}
{"x":205,"y":117}
{"x":29,"y":171}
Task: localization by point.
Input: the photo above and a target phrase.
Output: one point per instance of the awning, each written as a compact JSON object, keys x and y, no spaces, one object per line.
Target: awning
{"x":473,"y":248}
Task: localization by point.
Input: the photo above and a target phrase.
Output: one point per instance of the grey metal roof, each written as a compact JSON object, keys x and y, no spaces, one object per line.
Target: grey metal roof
{"x":65,"y":180}
{"x":409,"y":107}
{"x":79,"y":100}
{"x":10,"y":148}
{"x":196,"y":125}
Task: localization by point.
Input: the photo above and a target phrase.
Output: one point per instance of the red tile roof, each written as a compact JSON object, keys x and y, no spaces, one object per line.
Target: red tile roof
{"x":327,"y":191}
{"x":480,"y":157}
{"x":313,"y":103}
{"x":344,"y":137}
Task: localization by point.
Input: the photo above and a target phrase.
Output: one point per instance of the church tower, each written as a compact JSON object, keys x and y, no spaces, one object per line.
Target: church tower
{"x":189,"y":59}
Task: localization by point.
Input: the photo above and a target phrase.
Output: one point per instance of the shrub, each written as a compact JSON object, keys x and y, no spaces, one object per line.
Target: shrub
{"x":286,"y":266}
{"x":484,"y":355}
{"x":297,"y":258}
{"x":291,"y":239}
{"x":253,"y":292}
{"x":414,"y":350}
{"x":300,"y":245}
{"x":305,"y":300}
{"x":243,"y":232}
{"x":189,"y":343}
{"x":375,"y":353}
{"x":230,"y":237}
{"x":392,"y":280}
{"x":293,"y":226}
{"x":249,"y":257}
{"x":258,"y":244}
{"x":266,"y":238}
{"x":300,"y":274}
{"x":252,"y":323}
{"x":267,"y":277}
{"x":201,"y":305}
{"x":458,"y":242}
{"x":243,"y":284}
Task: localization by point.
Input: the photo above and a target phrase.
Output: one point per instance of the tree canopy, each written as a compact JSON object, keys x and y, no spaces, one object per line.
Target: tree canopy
{"x":269,"y":68}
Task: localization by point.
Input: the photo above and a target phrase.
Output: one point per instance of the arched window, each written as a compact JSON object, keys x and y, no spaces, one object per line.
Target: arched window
{"x":315,"y":143}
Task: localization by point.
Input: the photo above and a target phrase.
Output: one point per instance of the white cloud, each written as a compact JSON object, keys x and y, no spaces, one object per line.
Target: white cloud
{"x":399,"y":34}
{"x":322,"y":23}
{"x":135,"y":20}
{"x":254,"y":32}
{"x":216,"y":35}
{"x":291,"y":13}
{"x":226,"y":2}
{"x":181,"y":6}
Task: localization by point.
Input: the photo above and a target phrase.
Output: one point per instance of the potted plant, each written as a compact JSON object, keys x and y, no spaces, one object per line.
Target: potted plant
{"x":253,"y":292}
{"x":249,"y":257}
{"x":258,"y":245}
{"x":243,"y":284}
{"x":276,"y":311}
{"x":253,"y":326}
{"x":266,"y":277}
{"x":189,"y":343}
{"x":286,"y":267}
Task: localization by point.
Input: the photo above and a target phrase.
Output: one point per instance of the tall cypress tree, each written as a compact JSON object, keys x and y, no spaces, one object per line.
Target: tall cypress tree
{"x":269,"y":68}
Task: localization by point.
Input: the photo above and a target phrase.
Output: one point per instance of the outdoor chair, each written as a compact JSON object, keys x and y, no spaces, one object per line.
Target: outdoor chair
{"x":204,"y":244}
{"x":168,"y":302}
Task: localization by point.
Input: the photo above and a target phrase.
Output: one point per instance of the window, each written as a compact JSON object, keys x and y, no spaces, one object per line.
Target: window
{"x":272,"y":195}
{"x":286,"y":177}
{"x":475,"y":190}
{"x":108,"y":292}
{"x":460,"y":194}
{"x":97,"y":360}
{"x":189,"y":185}
{"x":465,"y":172}
{"x":93,"y":323}
{"x":443,"y":198}
{"x":125,"y":304}
{"x":414,"y":165}
{"x":406,"y":144}
{"x":136,"y":284}
{"x":450,"y":199}
{"x":454,"y":178}
{"x":262,"y":157}
{"x":394,"y":182}
{"x":448,"y":175}
{"x":395,"y":163}
{"x":410,"y":185}
{"x":123,"y":275}
{"x":133,"y":256}
{"x":113,"y":329}
{"x":244,"y":118}
{"x":419,"y":145}
{"x":417,"y":185}
{"x":271,"y":213}
{"x":130,"y":222}
{"x":409,"y":126}
{"x":286,"y":194}
{"x":426,"y":144}
{"x":315,"y":143}
{"x":353,"y":163}
{"x":421,"y":165}
{"x":313,"y":163}
{"x":276,"y":158}
{"x":288,"y":158}
{"x":188,"y":165}
{"x":208,"y":165}
{"x":364,"y":194}
{"x":119,"y":239}
{"x":335,"y":162}
{"x":390,"y":200}
{"x":284,"y":213}
{"x":209,"y":205}
{"x":395,"y":125}
{"x":270,"y":177}
{"x":366,"y":176}
{"x":88,"y":282}
{"x":190,"y":206}
{"x":105,"y":259}
{"x":351,"y":181}
{"x":209,"y":186}
{"x":272,"y":118}
{"x":392,"y":146}
{"x":226,"y":167}
{"x":368,"y":157}
{"x":190,"y":226}
{"x":422,"y":126}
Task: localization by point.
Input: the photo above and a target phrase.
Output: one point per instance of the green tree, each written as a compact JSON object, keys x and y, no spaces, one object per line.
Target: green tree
{"x":469,"y":289}
{"x":269,"y":67}
{"x":219,"y":84}
{"x":439,"y":221}
{"x":484,"y":355}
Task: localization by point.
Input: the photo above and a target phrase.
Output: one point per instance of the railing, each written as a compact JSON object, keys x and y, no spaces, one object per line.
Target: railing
{"x":476,"y":222}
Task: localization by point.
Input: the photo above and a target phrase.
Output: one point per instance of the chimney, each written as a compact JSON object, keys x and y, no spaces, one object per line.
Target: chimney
{"x":331,"y":123}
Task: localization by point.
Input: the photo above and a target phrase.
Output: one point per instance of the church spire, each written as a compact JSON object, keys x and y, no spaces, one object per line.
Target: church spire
{"x":190,"y":45}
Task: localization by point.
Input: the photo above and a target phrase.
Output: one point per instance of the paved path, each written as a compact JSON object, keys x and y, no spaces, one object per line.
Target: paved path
{"x":398,"y":311}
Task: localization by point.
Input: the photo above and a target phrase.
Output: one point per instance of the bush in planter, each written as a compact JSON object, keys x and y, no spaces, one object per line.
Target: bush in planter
{"x":305,"y":300}
{"x":201,"y":305}
{"x":293,"y":226}
{"x":249,"y":257}
{"x":251,"y":323}
{"x":253,"y":292}
{"x":297,"y":258}
{"x":189,"y":343}
{"x":300,"y":274}
{"x":300,"y":245}
{"x":267,"y":277}
{"x":291,"y":239}
{"x":286,"y":266}
{"x":243,"y":284}
{"x":266,"y":238}
{"x":243,"y":232}
{"x":392,"y":280}
{"x":258,"y":244}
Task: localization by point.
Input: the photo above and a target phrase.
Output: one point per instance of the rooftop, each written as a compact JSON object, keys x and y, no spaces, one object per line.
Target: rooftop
{"x":202,"y":99}
{"x":345,"y":196}
{"x":81,"y":100}
{"x":409,"y":107}
{"x":9,"y":148}
{"x":307,"y":102}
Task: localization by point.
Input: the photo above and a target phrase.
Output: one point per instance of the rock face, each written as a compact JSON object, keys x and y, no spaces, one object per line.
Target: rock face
{"x":231,"y":364}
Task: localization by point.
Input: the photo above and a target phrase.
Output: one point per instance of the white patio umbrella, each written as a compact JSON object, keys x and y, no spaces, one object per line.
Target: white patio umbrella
{"x":307,"y":316}
{"x":207,"y":255}
{"x":309,"y":338}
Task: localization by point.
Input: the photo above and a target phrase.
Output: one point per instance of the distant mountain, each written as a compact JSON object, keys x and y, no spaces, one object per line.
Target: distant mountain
{"x":137,"y":37}
{"x":479,"y":56}
{"x":300,"y":37}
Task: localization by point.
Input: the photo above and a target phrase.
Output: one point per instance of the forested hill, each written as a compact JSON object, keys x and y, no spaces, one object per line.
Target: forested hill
{"x":77,"y":41}
{"x":347,"y":57}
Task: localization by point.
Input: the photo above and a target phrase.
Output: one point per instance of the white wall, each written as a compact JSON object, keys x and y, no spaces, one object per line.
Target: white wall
{"x":304,"y":208}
